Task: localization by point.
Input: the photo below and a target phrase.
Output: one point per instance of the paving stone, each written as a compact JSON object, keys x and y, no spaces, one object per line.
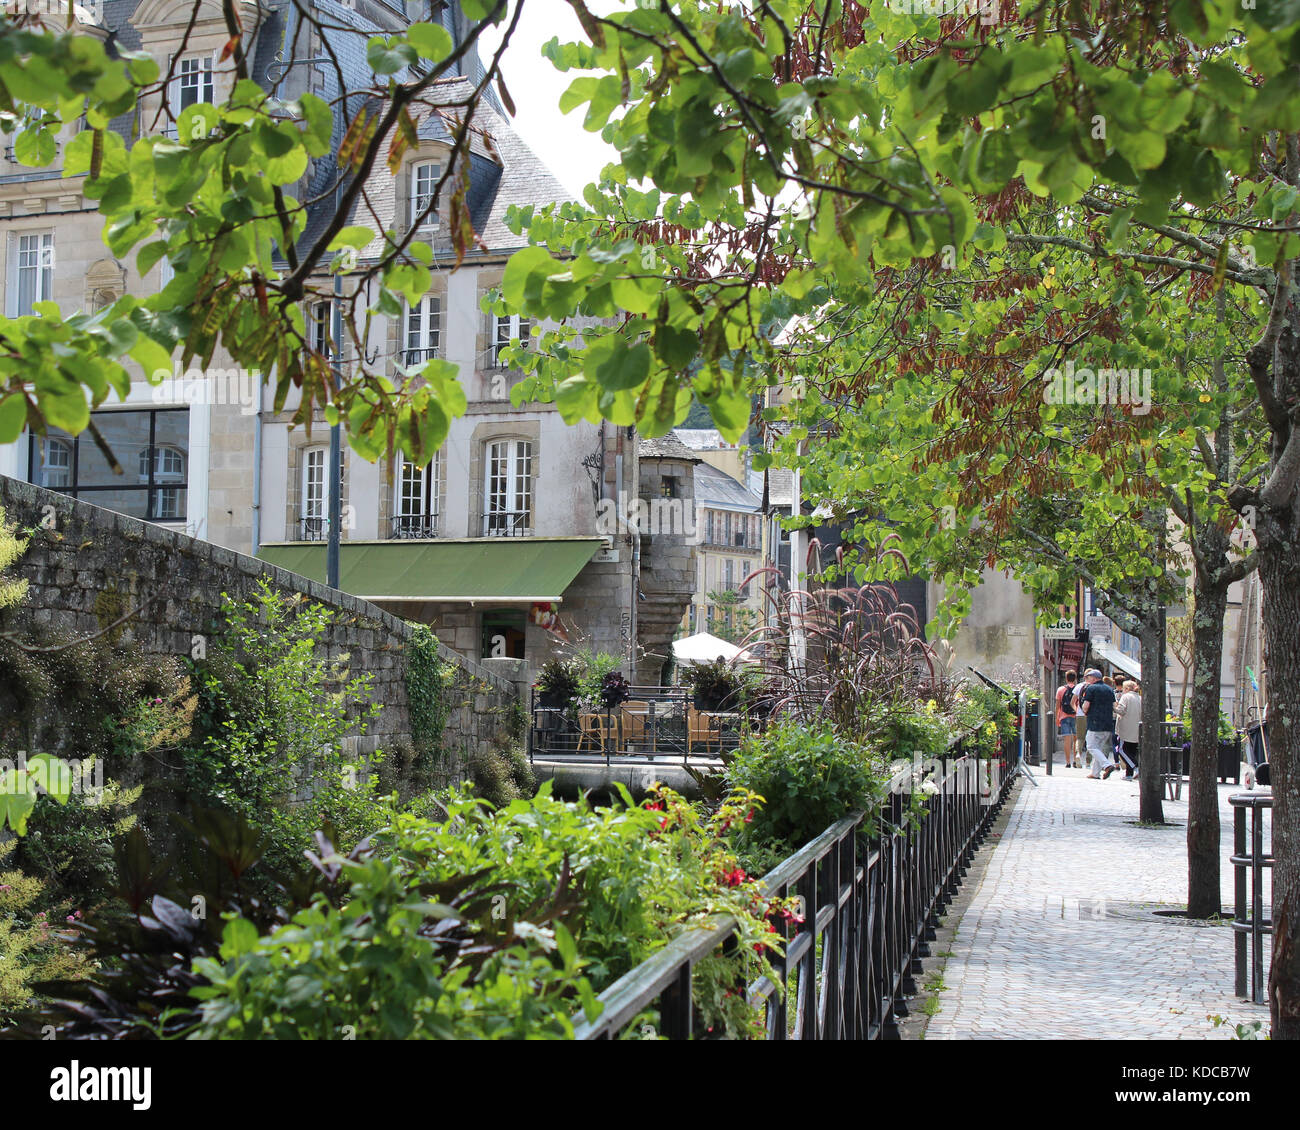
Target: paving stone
{"x":1058,"y":940}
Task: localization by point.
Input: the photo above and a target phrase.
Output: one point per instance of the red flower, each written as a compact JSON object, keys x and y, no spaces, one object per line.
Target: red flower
{"x":732,"y":878}
{"x":749,"y":816}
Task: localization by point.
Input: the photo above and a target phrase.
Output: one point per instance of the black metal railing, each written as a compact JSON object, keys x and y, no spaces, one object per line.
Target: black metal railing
{"x":870,"y":910}
{"x":1249,"y":923}
{"x":506,"y":524}
{"x":313,"y":529}
{"x":419,"y":356}
{"x":652,"y":723}
{"x":414,"y":526}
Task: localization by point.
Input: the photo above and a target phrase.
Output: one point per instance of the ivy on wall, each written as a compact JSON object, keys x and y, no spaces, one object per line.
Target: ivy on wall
{"x":429,"y":682}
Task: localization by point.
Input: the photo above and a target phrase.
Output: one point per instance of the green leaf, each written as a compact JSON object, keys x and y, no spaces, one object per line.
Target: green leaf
{"x":430,"y":40}
{"x":35,"y":147}
{"x":13,"y":416}
{"x":353,"y":236}
{"x":388,"y":56}
{"x":17,"y":799}
{"x":616,"y":366}
{"x":238,"y":937}
{"x":52,"y":774}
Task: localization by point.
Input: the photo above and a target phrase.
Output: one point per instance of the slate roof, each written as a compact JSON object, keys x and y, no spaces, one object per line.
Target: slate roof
{"x":503,"y":170}
{"x":716,"y":488}
{"x":667,"y":447}
{"x":779,"y":488}
{"x":704,"y":439}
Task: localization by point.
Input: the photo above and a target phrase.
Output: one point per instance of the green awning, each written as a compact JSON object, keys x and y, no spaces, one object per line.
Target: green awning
{"x":490,"y":570}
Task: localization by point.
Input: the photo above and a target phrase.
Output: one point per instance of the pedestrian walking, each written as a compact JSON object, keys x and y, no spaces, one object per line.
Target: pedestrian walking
{"x":1128,"y":715}
{"x":1097,"y":703}
{"x":1066,"y":715}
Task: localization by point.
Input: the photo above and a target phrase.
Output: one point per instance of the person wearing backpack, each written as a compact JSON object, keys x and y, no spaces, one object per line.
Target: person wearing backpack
{"x":1066,"y":718}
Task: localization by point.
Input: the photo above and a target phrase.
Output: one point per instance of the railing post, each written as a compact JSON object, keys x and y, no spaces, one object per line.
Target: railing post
{"x":807,"y":1012}
{"x":1257,"y":905}
{"x":1239,"y":895}
{"x":676,"y":1009}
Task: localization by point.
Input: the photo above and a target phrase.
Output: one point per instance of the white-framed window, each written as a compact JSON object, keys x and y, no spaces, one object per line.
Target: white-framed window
{"x":315,"y":510}
{"x":31,"y":278}
{"x":168,"y":464}
{"x":424,"y":179}
{"x":56,"y":464}
{"x":415,"y":511}
{"x":423,"y":331}
{"x":508,"y":488}
{"x":508,"y":328}
{"x":193,"y":83}
{"x":318,"y":327}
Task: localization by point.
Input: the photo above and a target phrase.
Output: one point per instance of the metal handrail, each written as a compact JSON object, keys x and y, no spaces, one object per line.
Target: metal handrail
{"x":874,"y":912}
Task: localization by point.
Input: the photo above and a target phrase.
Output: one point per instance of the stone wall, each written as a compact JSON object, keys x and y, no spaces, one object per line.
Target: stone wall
{"x":87,"y":566}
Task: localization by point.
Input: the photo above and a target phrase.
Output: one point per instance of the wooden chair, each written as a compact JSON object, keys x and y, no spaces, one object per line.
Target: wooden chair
{"x":700,"y":727}
{"x":633,"y":716}
{"x":599,"y":729}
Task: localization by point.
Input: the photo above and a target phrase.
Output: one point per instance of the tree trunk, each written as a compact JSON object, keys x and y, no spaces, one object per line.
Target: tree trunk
{"x":1203,"y":878}
{"x":1151,"y":808}
{"x":1279,"y":569}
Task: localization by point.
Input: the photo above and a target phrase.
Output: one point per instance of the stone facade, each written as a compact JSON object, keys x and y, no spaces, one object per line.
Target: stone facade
{"x":85,"y":563}
{"x":668,"y":555}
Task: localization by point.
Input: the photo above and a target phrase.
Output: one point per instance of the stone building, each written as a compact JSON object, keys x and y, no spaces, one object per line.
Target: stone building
{"x":498,"y":543}
{"x":665,"y":545}
{"x":729,"y":530}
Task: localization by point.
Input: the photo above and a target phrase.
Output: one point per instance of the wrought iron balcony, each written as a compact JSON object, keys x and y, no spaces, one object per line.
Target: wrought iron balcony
{"x":506,"y":524}
{"x":419,"y":356}
{"x":414,"y":526}
{"x":313,"y":529}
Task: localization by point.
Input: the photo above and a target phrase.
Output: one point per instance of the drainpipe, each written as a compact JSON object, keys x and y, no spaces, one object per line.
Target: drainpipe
{"x":257,"y":470}
{"x":290,"y":32}
{"x":336,"y":453}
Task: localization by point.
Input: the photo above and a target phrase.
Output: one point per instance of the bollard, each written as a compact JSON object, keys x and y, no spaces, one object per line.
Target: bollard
{"x":1249,"y":920}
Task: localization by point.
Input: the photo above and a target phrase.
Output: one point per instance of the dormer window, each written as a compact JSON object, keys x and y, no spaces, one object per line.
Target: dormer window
{"x":193,"y":83}
{"x":424,"y":179}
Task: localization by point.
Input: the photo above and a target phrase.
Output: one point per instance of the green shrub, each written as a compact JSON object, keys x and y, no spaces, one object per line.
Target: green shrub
{"x":429,"y":683}
{"x":29,"y":951}
{"x":622,"y":880}
{"x":273,"y":727}
{"x":393,"y":963}
{"x":904,"y":733}
{"x":70,"y":846}
{"x":501,"y":773}
{"x":976,"y":709}
{"x":809,"y":778}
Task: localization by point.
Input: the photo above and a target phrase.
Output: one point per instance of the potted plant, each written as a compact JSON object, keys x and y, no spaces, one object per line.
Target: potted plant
{"x":614,"y":690}
{"x":716,"y":685}
{"x":557,"y":685}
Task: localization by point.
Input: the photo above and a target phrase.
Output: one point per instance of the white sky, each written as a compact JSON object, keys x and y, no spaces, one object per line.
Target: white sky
{"x":565,"y":147}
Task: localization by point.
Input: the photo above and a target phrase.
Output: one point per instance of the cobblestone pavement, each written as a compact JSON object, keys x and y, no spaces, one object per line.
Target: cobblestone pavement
{"x":1058,"y":939}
